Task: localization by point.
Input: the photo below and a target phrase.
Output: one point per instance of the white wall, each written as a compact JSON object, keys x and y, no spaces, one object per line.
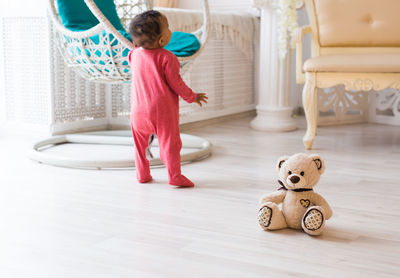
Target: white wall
{"x":14,"y":10}
{"x":240,"y":5}
{"x":189,"y":4}
{"x":220,"y":5}
{"x":24,"y":8}
{"x":296,"y":89}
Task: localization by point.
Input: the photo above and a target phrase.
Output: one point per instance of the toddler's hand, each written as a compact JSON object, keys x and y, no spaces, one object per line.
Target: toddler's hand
{"x":201,"y":97}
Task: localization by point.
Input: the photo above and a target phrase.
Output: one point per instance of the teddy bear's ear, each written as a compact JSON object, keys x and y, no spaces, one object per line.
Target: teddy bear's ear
{"x":318,"y":162}
{"x":281,"y":161}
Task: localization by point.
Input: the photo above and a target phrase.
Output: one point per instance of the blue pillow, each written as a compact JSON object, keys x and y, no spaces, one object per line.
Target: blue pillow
{"x":76,"y":16}
{"x":183,"y":44}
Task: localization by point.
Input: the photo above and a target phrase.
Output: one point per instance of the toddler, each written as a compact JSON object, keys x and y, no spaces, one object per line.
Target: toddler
{"x":156,"y":87}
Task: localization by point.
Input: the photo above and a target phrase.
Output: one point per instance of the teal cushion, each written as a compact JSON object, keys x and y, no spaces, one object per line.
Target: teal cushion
{"x":76,"y":16}
{"x":183,"y":44}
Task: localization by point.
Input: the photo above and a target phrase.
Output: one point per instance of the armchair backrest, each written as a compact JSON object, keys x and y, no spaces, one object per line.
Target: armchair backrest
{"x":354,"y":24}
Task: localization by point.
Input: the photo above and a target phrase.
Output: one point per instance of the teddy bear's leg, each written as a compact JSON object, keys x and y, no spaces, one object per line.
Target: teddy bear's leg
{"x":313,"y":222}
{"x":270,"y":217}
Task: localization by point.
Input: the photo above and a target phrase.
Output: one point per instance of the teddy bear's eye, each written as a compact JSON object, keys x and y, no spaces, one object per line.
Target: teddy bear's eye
{"x":290,"y":172}
{"x":302,"y":173}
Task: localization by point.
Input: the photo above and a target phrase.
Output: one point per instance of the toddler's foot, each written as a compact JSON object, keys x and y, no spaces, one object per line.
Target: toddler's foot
{"x":146,"y":180}
{"x":181,"y":181}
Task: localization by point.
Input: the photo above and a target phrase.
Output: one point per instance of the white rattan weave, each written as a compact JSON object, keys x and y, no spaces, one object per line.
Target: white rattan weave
{"x":222,"y":71}
{"x":100,"y":53}
{"x":50,"y":97}
{"x":127,"y":9}
{"x":26,"y":87}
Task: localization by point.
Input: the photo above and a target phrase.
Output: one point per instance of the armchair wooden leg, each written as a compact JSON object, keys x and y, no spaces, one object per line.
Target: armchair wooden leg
{"x":310,"y":103}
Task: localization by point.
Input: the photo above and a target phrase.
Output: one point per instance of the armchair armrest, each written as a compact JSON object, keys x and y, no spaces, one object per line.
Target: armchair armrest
{"x":297,"y":37}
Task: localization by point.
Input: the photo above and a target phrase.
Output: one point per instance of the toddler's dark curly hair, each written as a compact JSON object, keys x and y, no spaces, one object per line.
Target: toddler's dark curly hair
{"x":145,"y":28}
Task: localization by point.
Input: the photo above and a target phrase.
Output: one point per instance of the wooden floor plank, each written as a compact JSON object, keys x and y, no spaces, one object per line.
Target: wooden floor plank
{"x":59,"y":222}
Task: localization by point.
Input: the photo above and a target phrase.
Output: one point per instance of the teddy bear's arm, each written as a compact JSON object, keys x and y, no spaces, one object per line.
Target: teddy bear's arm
{"x":276,"y":197}
{"x":320,"y":201}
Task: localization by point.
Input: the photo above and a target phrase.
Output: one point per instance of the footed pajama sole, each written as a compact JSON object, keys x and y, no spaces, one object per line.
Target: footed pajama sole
{"x":146,"y":180}
{"x":182,"y":181}
{"x":181,"y":185}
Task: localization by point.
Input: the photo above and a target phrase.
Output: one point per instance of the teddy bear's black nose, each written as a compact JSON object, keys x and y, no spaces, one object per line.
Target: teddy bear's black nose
{"x":294,"y":179}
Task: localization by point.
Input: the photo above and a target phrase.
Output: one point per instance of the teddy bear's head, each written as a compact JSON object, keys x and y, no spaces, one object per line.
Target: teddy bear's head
{"x":300,"y":171}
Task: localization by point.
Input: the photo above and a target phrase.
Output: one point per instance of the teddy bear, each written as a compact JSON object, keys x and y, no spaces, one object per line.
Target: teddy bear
{"x":302,"y":208}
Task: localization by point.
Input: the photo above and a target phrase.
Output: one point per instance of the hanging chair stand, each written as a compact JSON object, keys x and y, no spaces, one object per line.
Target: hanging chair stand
{"x":196,"y":148}
{"x":102,"y":60}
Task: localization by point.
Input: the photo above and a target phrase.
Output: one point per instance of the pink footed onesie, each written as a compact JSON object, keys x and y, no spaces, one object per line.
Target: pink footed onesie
{"x":156,"y":87}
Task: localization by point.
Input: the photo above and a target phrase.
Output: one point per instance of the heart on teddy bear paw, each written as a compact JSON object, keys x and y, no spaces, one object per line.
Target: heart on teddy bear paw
{"x":305,"y":203}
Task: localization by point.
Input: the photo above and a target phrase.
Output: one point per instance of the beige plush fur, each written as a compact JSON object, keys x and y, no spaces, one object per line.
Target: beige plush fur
{"x":301,"y":208}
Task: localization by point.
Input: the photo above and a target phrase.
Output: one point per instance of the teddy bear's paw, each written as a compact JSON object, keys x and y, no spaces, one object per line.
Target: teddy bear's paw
{"x":313,"y":221}
{"x":264,"y":217}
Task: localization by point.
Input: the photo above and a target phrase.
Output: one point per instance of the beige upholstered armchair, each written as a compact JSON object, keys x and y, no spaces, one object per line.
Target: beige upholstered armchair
{"x":355,"y":43}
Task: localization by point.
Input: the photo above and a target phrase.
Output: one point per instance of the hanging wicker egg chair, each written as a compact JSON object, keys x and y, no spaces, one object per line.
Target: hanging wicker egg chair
{"x":100,"y":54}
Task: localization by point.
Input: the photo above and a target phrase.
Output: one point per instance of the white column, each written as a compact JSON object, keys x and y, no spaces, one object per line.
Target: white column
{"x":273,"y":110}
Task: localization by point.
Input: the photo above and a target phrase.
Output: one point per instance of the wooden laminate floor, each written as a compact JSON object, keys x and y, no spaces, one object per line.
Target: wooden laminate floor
{"x":66,"y":223}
